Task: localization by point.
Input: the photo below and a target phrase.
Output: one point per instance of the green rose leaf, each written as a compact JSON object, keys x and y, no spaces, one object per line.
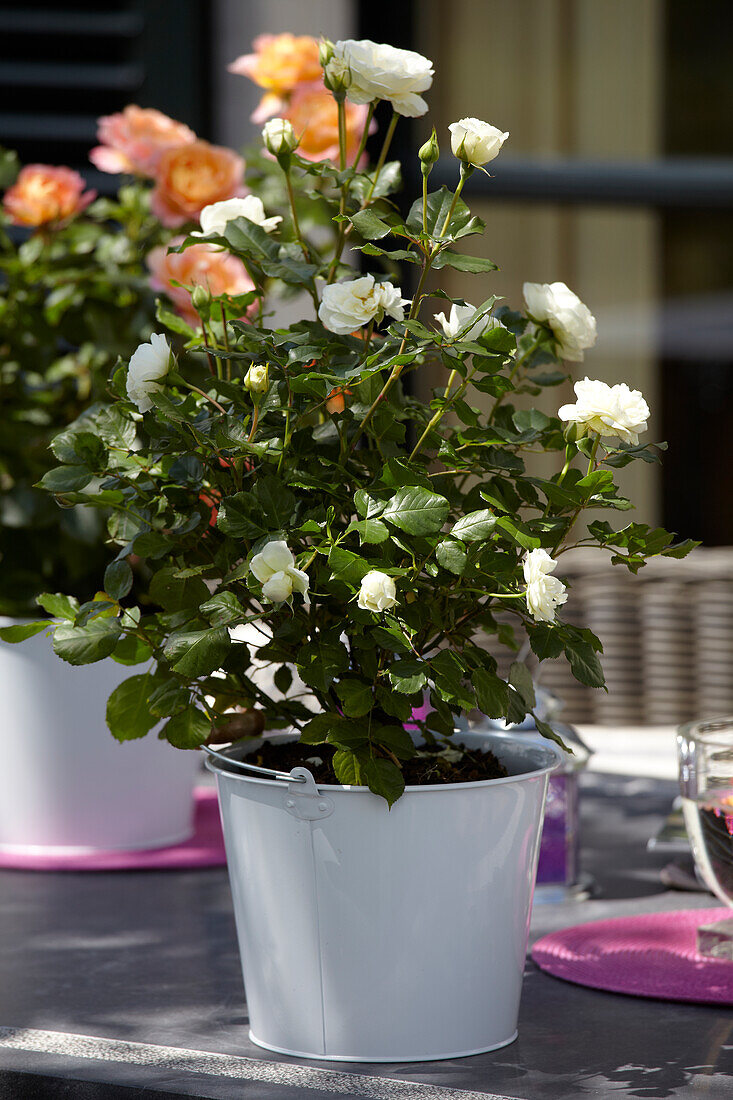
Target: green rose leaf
{"x":168,"y":698}
{"x":131,"y":650}
{"x":320,"y":662}
{"x":347,"y":567}
{"x":236,"y":518}
{"x":416,"y":511}
{"x":222,"y":608}
{"x":189,"y":729}
{"x":397,"y":740}
{"x":370,"y":531}
{"x":356,"y":697}
{"x":369,"y":226}
{"x":584,"y":664}
{"x":348,"y":768}
{"x":194,"y":653}
{"x":384,"y":778}
{"x":58,"y":605}
{"x":276,"y":501}
{"x":545,"y":640}
{"x":491,"y":693}
{"x":176,"y":593}
{"x":452,"y":556}
{"x":118,"y":579}
{"x":521,"y":680}
{"x":474,"y":527}
{"x":317,"y":730}
{"x":83,"y":645}
{"x":407,"y":677}
{"x":549,"y":732}
{"x":366,"y":505}
{"x":473,"y":264}
{"x":128,"y":712}
{"x":20,"y":631}
{"x":65,"y":479}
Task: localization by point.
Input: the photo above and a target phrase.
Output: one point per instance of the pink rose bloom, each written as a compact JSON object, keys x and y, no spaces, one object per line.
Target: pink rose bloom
{"x":43,"y":194}
{"x":132,"y":140}
{"x":200,"y":265}
{"x":193,"y":176}
{"x":314,"y":116}
{"x":279,"y":64}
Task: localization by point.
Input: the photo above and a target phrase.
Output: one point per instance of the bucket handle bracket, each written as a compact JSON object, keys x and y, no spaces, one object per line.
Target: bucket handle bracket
{"x":303,"y":799}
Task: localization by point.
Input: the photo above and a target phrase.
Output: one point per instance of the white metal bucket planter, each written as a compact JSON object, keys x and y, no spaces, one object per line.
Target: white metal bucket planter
{"x":370,"y":935}
{"x":65,"y":783}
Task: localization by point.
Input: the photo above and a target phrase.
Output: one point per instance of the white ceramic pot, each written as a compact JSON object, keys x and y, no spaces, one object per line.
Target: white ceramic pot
{"x":65,"y":783}
{"x":370,"y":935}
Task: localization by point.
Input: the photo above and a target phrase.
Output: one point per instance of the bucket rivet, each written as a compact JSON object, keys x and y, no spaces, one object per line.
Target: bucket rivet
{"x":290,"y":804}
{"x":323,"y":806}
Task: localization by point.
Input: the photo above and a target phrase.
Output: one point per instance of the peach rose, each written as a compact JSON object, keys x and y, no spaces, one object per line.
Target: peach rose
{"x":313,"y":115}
{"x":133,"y":140}
{"x":43,"y":194}
{"x":336,"y":400}
{"x":193,"y":176}
{"x":280,"y":63}
{"x":200,"y":265}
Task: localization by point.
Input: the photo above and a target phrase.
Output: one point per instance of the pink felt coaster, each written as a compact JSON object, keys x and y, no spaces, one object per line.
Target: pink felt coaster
{"x":205,"y":848}
{"x":652,"y":955}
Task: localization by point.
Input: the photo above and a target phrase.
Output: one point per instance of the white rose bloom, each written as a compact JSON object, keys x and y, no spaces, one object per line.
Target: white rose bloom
{"x":476,"y":142}
{"x":149,"y":363}
{"x":460,"y":316}
{"x":572,"y":323}
{"x":377,"y":592}
{"x":257,"y":378}
{"x":375,"y":71}
{"x":274,"y":567}
{"x":608,"y":410}
{"x":214,"y":217}
{"x":279,"y":137}
{"x":352,"y":304}
{"x":544,"y":592}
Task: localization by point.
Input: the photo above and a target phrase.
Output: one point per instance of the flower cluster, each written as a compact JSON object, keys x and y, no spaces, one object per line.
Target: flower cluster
{"x":286,"y":479}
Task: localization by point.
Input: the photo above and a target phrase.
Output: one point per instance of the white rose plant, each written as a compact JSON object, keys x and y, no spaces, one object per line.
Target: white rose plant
{"x":283,"y":481}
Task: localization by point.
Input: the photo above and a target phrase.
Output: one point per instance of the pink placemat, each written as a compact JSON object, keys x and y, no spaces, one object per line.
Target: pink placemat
{"x":651,"y":955}
{"x":205,"y":848}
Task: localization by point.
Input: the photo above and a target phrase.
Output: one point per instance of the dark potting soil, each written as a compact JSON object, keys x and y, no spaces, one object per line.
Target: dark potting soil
{"x":456,"y":764}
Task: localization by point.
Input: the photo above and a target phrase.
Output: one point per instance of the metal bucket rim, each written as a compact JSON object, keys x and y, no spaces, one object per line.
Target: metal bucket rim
{"x":553,"y":755}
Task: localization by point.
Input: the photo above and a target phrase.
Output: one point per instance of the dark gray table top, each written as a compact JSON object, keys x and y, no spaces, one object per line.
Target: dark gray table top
{"x":145,"y":966}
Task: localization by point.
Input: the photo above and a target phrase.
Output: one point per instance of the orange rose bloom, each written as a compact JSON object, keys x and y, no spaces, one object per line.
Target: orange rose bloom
{"x":200,"y":265}
{"x":336,"y":400}
{"x":279,"y":64}
{"x":133,"y":140}
{"x":190,"y":177}
{"x":314,"y":116}
{"x":44,"y":194}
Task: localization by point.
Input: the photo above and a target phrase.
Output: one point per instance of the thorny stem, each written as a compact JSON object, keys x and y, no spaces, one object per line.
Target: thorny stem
{"x":226,"y":341}
{"x":294,"y":215}
{"x":255,"y":418}
{"x":213,"y":369}
{"x":205,"y":396}
{"x":425,"y":204}
{"x":383,"y":155}
{"x":435,"y":418}
{"x":365,"y":133}
{"x":576,"y":513}
{"x":342,"y":132}
{"x":344,"y":229}
{"x":464,"y":176}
